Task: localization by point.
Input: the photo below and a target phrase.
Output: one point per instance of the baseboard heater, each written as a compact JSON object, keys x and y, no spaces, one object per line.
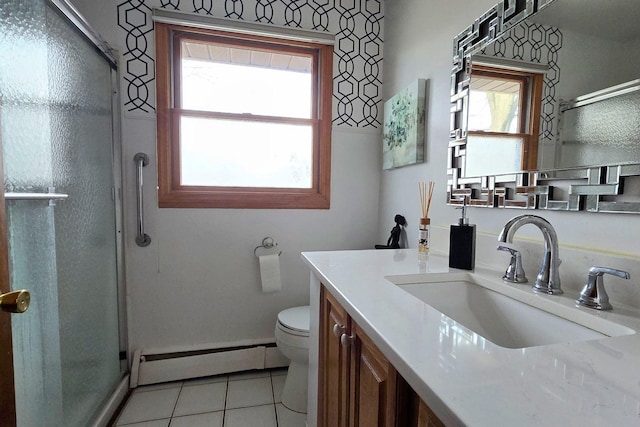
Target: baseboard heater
{"x":158,"y":367}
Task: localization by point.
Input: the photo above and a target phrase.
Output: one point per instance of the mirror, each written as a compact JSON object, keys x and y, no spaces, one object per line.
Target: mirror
{"x":546,"y":106}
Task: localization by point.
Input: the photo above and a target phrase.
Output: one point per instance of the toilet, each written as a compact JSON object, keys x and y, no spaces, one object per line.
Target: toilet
{"x":292,"y":339}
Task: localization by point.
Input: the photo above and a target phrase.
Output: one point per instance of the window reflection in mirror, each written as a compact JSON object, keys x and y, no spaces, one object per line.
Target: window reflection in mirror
{"x":494,"y":102}
{"x":503,"y":121}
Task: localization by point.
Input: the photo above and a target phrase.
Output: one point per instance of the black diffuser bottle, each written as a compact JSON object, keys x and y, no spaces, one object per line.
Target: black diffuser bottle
{"x":462,"y":243}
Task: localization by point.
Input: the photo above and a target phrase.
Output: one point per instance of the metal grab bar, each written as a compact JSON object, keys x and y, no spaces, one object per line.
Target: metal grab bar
{"x":141,"y":160}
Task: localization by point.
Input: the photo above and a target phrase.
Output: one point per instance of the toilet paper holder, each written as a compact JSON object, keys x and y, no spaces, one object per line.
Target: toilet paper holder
{"x":267,"y":243}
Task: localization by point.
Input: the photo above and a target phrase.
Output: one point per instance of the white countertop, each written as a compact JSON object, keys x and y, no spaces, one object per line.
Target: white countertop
{"x":468,"y":380}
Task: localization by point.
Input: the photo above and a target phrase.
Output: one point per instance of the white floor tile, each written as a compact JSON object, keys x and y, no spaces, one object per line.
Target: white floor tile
{"x":196,"y":399}
{"x":150,"y":405}
{"x":252,"y":392}
{"x":289,"y":418}
{"x":157,"y":423}
{"x":210,"y":419}
{"x":247,"y":375}
{"x":255,"y":416}
{"x":278,"y":386}
{"x":201,"y":402}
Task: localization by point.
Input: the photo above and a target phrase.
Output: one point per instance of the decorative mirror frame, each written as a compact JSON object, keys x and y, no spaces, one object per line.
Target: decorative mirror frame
{"x":592,"y":189}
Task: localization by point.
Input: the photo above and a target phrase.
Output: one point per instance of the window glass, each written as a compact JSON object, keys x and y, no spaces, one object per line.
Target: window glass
{"x":244,"y":81}
{"x":494,"y":104}
{"x":245,"y":154}
{"x":493,"y":155}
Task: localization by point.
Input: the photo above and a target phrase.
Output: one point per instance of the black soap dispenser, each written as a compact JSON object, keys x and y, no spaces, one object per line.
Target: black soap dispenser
{"x":462,"y":242}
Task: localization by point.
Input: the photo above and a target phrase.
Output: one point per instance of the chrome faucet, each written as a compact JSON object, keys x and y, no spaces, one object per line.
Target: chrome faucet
{"x":548,"y":280}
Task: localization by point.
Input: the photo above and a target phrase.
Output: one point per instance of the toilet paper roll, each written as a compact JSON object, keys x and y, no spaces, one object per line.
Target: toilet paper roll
{"x":270,"y":272}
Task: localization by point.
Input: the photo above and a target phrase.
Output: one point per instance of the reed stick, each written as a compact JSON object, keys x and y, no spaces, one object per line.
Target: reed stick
{"x":426,"y":194}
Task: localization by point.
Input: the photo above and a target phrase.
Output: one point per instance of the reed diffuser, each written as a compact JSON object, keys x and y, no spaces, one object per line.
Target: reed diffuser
{"x":426,"y":194}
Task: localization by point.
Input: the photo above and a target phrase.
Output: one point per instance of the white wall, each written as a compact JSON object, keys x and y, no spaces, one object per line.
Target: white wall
{"x":418,"y":43}
{"x":198,"y":283}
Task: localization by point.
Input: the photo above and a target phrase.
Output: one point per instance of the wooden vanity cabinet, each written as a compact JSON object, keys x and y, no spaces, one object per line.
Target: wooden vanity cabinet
{"x":357,"y":385}
{"x":333,"y":378}
{"x":372,"y":383}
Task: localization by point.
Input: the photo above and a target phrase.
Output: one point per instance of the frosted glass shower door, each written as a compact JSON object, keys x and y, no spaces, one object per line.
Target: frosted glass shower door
{"x":56,"y":130}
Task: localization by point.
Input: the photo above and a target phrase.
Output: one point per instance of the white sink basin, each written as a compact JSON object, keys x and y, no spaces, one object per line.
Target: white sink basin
{"x":521,"y":319}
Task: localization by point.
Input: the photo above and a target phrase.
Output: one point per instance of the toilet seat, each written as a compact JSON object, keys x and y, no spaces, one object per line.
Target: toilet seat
{"x":295,"y":321}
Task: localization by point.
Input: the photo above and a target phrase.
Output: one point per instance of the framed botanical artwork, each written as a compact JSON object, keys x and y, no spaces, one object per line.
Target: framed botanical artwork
{"x":404,"y":127}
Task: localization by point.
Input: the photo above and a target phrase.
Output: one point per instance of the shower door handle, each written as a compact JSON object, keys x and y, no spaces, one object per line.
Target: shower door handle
{"x":51,"y":196}
{"x":15,"y":302}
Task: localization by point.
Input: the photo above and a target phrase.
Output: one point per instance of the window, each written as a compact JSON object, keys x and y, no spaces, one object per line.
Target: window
{"x":244,"y":121}
{"x":504,"y":117}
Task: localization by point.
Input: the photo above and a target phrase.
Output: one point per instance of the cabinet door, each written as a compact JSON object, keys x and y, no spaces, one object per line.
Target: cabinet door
{"x":373,"y":384}
{"x":426,"y":417}
{"x":333,"y":381}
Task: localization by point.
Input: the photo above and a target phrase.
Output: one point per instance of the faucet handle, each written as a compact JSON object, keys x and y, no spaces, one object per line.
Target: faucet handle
{"x":593,"y":294}
{"x":515,"y":272}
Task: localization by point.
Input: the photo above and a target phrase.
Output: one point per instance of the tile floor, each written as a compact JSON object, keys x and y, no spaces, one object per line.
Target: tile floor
{"x":249,"y":399}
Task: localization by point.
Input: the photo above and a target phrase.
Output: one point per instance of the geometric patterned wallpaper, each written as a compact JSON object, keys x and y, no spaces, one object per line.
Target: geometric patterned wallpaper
{"x":357,"y":25}
{"x":541,"y":44}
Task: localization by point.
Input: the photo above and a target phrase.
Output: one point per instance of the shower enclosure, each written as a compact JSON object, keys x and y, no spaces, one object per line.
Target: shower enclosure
{"x":60,"y":220}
